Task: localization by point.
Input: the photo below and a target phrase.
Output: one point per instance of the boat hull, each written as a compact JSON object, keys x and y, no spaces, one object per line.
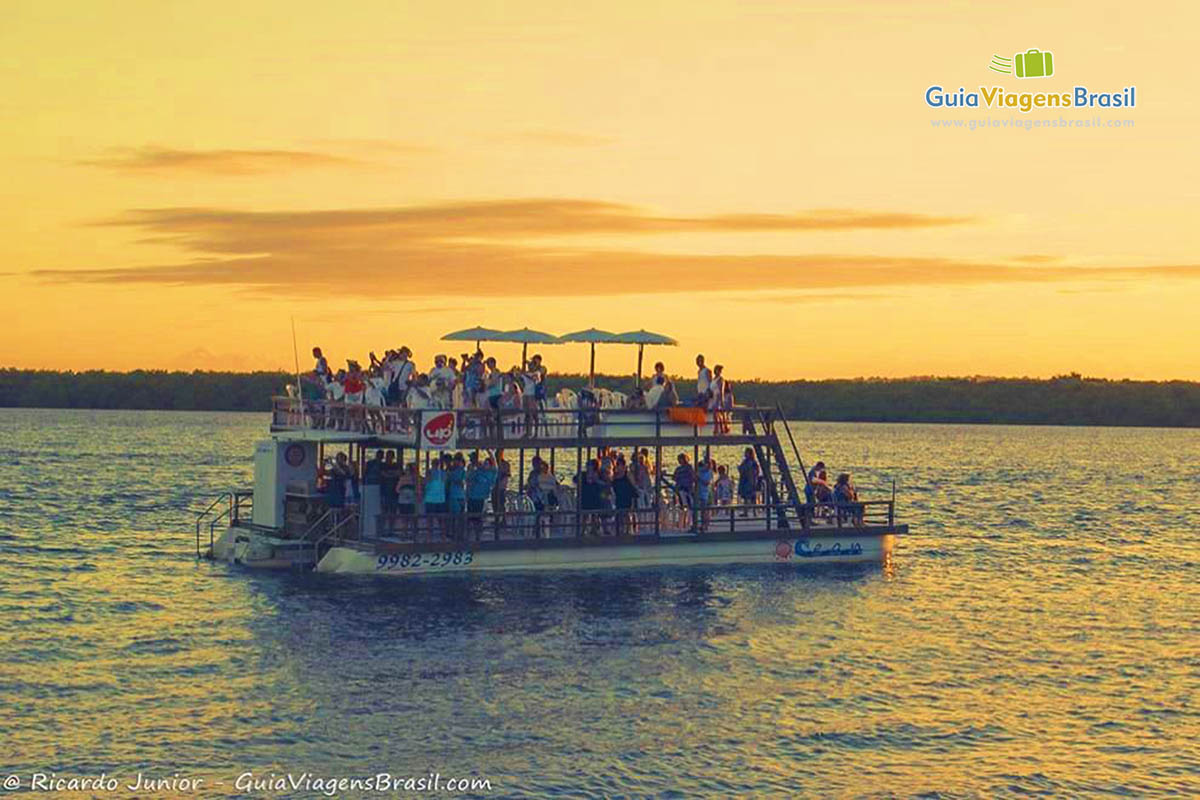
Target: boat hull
{"x":407,"y":561}
{"x":260,"y":550}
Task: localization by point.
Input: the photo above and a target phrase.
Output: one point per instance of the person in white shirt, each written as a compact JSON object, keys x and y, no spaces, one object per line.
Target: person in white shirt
{"x":334,"y":390}
{"x":721,"y":400}
{"x":716,"y":388}
{"x":703,"y":383}
{"x":418,"y":395}
{"x":442,"y":379}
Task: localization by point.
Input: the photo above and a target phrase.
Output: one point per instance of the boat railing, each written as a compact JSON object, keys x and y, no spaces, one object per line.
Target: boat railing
{"x":337,"y":525}
{"x":472,"y":425}
{"x":229,"y":507}
{"x":665,"y":519}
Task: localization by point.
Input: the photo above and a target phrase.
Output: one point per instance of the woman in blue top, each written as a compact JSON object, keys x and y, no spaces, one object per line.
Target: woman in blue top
{"x":435,"y":492}
{"x":480,"y":482}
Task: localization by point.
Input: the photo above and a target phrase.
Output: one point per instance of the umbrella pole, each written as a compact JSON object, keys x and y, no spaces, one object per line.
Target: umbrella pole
{"x":524,"y":350}
{"x":592,"y":368}
{"x":641,"y":347}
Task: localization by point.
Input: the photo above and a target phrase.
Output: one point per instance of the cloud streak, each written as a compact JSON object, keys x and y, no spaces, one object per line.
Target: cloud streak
{"x":522,"y":248}
{"x":155,"y":160}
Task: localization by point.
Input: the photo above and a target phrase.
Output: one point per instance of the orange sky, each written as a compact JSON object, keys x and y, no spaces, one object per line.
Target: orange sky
{"x":763,"y":181}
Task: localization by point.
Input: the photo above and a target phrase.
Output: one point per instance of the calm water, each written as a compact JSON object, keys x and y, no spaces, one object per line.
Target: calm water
{"x":1040,"y":633}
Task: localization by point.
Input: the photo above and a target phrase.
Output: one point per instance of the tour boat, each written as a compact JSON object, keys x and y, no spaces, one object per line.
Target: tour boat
{"x":288,"y":522}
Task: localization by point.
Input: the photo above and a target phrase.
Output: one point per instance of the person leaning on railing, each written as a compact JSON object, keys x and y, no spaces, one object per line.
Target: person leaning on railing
{"x":846,"y":498}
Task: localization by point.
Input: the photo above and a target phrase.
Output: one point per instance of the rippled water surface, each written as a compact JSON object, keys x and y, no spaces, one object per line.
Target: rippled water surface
{"x":1039,"y":634}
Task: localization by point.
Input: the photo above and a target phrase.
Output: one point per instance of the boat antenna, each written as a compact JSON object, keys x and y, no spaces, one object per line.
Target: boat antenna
{"x":299,"y":387}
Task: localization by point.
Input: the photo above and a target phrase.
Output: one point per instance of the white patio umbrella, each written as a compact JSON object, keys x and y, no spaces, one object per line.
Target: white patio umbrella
{"x":641,"y":339}
{"x":526,"y":337}
{"x":476,"y":335}
{"x":592,"y":336}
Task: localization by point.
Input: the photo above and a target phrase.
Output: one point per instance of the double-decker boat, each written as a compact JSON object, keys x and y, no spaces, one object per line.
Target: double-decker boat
{"x":289,"y":520}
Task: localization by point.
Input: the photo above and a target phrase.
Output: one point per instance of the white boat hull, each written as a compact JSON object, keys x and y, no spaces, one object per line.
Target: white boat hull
{"x":441,"y":559}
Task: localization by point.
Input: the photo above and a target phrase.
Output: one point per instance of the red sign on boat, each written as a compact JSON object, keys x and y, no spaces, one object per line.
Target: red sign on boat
{"x":438,"y":430}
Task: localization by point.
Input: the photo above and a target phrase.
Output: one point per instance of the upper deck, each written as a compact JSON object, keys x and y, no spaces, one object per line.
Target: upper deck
{"x":512,"y":428}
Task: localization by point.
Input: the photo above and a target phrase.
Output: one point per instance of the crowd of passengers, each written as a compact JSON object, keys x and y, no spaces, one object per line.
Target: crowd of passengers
{"x":476,"y":381}
{"x":611,"y":489}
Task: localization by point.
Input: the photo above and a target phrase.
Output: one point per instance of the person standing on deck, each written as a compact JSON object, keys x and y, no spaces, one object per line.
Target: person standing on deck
{"x":643,"y":484}
{"x":371,"y":491}
{"x":322,"y":366}
{"x":479,"y":487}
{"x":493,"y":383}
{"x":685,"y":489}
{"x":748,"y":478}
{"x":399,"y":372}
{"x":418,"y":395}
{"x":435,"y":493}
{"x":389,"y":477}
{"x":533,"y":392}
{"x":624,"y":492}
{"x":473,"y":374}
{"x":810,"y":489}
{"x":500,"y":489}
{"x":704,"y":479}
{"x":608,"y":499}
{"x":408,"y":489}
{"x":456,"y":389}
{"x":704,"y":377}
{"x":337,"y":481}
{"x":442,"y":378}
{"x":456,"y":494}
{"x":724,"y":487}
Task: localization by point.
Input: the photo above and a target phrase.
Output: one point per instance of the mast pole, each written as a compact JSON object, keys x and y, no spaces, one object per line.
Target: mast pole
{"x":299,"y":388}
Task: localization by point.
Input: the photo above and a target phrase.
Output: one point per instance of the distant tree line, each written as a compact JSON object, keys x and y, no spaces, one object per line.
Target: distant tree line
{"x":1064,"y":400}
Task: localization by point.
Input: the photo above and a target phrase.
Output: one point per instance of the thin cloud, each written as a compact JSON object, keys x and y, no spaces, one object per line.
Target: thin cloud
{"x":224,"y":230}
{"x":1037,"y":258}
{"x":152,"y":159}
{"x":499,"y":249}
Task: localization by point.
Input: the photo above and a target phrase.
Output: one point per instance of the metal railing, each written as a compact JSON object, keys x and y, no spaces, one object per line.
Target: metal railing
{"x":236,"y":502}
{"x":348,"y":520}
{"x":666,"y":519}
{"x":512,"y":425}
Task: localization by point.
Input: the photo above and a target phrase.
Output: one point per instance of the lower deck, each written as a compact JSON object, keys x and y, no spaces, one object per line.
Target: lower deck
{"x":749,"y":539}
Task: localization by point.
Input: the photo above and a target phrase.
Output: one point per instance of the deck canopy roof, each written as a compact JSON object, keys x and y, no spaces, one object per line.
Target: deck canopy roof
{"x":590,"y":336}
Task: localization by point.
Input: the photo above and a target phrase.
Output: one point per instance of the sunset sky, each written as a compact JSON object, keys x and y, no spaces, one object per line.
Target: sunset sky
{"x":763,"y":181}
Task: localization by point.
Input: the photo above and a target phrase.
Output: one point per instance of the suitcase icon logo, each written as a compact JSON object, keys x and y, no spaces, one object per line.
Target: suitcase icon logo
{"x":1033,"y":63}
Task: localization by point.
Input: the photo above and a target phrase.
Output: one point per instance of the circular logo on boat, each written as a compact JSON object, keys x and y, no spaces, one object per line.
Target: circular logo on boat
{"x":439,"y":430}
{"x":294,"y":455}
{"x":783,"y":550}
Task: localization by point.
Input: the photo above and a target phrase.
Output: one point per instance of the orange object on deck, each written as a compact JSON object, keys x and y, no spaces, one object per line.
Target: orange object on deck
{"x":688,"y":415}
